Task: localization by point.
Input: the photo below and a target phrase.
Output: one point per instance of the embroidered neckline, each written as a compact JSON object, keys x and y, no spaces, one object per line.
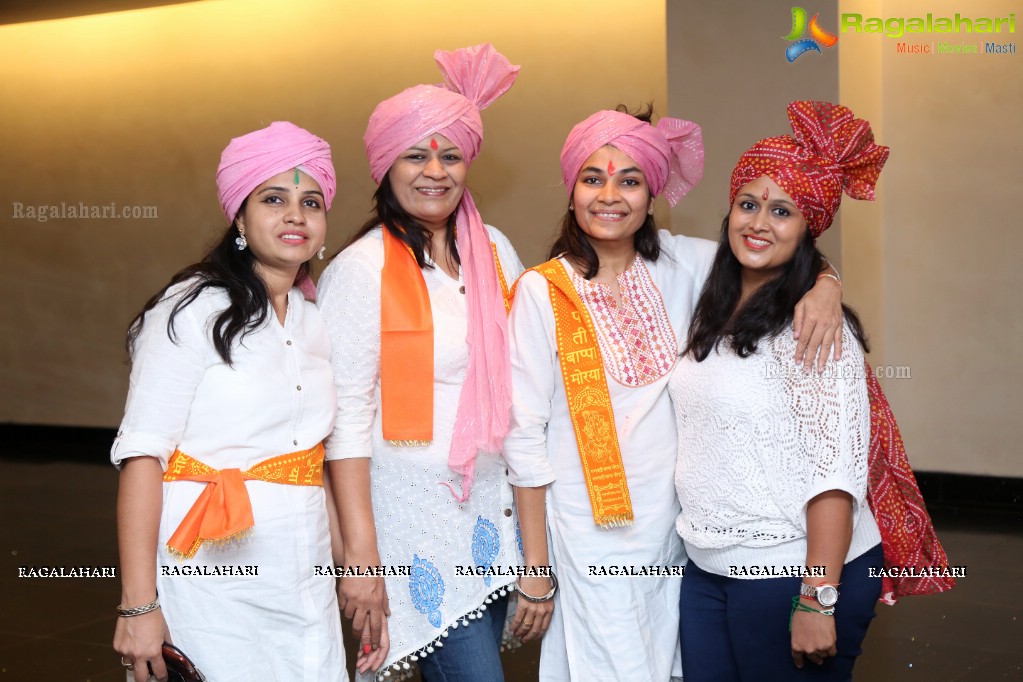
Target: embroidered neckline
{"x":636,"y":338}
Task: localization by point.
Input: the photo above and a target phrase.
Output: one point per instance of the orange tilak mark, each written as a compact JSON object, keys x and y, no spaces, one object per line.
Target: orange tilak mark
{"x":611,"y":168}
{"x":433,"y":144}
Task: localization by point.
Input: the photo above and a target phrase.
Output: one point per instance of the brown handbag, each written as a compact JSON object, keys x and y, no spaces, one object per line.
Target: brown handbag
{"x":179,"y":666}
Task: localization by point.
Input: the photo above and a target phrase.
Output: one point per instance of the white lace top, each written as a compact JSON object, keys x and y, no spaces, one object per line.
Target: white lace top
{"x":757,"y":439}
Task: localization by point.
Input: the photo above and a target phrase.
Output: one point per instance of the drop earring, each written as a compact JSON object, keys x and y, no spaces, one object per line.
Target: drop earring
{"x":241,"y":242}
{"x":323,"y":250}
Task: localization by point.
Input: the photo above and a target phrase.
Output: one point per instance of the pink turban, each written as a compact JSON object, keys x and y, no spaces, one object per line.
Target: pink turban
{"x":473,"y":78}
{"x":829,"y":151}
{"x":250,"y":160}
{"x":670,"y":154}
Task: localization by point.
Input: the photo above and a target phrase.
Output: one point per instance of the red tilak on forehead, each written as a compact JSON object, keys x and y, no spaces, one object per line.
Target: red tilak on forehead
{"x":433,"y":144}
{"x":611,"y":168}
{"x":766,"y":191}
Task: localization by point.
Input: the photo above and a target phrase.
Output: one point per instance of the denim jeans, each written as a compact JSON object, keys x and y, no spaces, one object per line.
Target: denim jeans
{"x":471,"y":653}
{"x":736,"y":630}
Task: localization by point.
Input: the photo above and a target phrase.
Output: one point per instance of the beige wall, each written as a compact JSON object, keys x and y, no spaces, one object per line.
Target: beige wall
{"x":938,"y":259}
{"x":135,"y":107}
{"x":932,"y":265}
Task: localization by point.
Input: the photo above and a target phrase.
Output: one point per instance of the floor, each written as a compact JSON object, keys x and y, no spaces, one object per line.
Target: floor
{"x":62,"y":514}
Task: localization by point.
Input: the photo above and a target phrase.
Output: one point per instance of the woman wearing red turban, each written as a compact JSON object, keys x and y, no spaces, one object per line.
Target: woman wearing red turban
{"x":773,"y":461}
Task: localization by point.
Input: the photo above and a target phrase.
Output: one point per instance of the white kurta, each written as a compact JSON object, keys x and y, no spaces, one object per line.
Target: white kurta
{"x":608,"y":627}
{"x":281,"y":624}
{"x":420,"y":525}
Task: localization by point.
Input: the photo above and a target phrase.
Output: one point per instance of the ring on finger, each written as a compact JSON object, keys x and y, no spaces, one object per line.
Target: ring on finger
{"x":128,"y":665}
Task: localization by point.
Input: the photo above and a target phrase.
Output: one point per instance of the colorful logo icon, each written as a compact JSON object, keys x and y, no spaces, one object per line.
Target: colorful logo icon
{"x":800,"y":45}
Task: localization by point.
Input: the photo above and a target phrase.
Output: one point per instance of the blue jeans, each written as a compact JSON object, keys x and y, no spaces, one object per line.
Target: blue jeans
{"x":471,"y":653}
{"x":736,"y":630}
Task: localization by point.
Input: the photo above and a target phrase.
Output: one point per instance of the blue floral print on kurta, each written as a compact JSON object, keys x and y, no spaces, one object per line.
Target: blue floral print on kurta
{"x":426,"y":588}
{"x":486,"y":545}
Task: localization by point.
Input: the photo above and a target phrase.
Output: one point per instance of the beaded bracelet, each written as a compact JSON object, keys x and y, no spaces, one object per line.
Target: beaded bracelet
{"x":546,"y":597}
{"x":800,"y":606}
{"x":139,"y":610}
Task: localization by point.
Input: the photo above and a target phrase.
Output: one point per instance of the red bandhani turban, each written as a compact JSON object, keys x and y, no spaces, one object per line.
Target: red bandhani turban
{"x":829,"y":151}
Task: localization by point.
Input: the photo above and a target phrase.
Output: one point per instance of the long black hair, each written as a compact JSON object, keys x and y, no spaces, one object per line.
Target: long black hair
{"x":572,"y":241}
{"x":387,"y":211}
{"x":227,"y":268}
{"x":767,"y":311}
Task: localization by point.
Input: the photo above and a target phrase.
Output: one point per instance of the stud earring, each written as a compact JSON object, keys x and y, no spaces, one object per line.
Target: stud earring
{"x":570,"y":207}
{"x":323,"y":250}
{"x":241,"y":241}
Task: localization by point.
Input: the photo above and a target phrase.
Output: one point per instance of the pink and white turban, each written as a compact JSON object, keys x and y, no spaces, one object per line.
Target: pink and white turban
{"x":473,"y":78}
{"x":670,"y":154}
{"x":250,"y":160}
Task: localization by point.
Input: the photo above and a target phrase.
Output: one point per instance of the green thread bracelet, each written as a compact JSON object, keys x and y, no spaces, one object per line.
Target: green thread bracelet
{"x":800,"y":606}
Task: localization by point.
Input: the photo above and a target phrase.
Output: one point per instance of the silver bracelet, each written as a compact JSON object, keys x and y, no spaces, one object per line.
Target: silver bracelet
{"x":139,"y":610}
{"x":546,"y":597}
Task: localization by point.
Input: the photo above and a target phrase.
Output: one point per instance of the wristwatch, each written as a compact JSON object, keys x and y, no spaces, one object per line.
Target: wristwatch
{"x":826,"y":595}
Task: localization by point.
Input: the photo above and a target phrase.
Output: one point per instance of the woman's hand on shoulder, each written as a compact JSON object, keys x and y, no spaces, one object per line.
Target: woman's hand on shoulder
{"x":817,"y":324}
{"x":532,"y":619}
{"x":139,"y":640}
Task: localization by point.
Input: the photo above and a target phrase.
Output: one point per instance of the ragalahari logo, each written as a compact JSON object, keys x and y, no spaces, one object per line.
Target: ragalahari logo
{"x":818,"y":36}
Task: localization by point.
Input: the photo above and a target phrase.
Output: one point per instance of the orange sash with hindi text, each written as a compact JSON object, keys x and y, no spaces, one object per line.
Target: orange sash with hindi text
{"x":223,"y":511}
{"x":589,"y":401}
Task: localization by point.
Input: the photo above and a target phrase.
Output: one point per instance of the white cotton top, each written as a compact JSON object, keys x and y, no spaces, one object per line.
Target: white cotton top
{"x":608,"y":627}
{"x":758,"y":439}
{"x":280,"y":624}
{"x":419,"y":523}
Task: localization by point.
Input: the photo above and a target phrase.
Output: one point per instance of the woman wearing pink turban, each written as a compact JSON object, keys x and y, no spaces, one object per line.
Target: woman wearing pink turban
{"x":222,"y":516}
{"x":772,"y":471}
{"x":416,"y":308}
{"x":594,"y":337}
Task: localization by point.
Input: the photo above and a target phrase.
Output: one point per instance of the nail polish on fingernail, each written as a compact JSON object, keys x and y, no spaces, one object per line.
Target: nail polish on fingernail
{"x":366,"y":648}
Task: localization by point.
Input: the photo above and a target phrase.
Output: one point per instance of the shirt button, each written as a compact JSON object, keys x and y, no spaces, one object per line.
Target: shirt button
{"x":294,"y":442}
{"x":298,"y":388}
{"x":507,"y":512}
{"x":288,"y":342}
{"x":461,"y":289}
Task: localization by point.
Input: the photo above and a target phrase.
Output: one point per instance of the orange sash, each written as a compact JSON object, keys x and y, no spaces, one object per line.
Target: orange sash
{"x":224,"y":511}
{"x":406,"y":345}
{"x":589,"y":401}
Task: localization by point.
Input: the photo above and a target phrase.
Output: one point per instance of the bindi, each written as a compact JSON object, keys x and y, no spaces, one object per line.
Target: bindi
{"x":433,"y":144}
{"x":611,"y":168}
{"x":765,"y":194}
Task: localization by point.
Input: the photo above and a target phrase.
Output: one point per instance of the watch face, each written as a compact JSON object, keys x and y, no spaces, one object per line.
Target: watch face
{"x":827,"y":595}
